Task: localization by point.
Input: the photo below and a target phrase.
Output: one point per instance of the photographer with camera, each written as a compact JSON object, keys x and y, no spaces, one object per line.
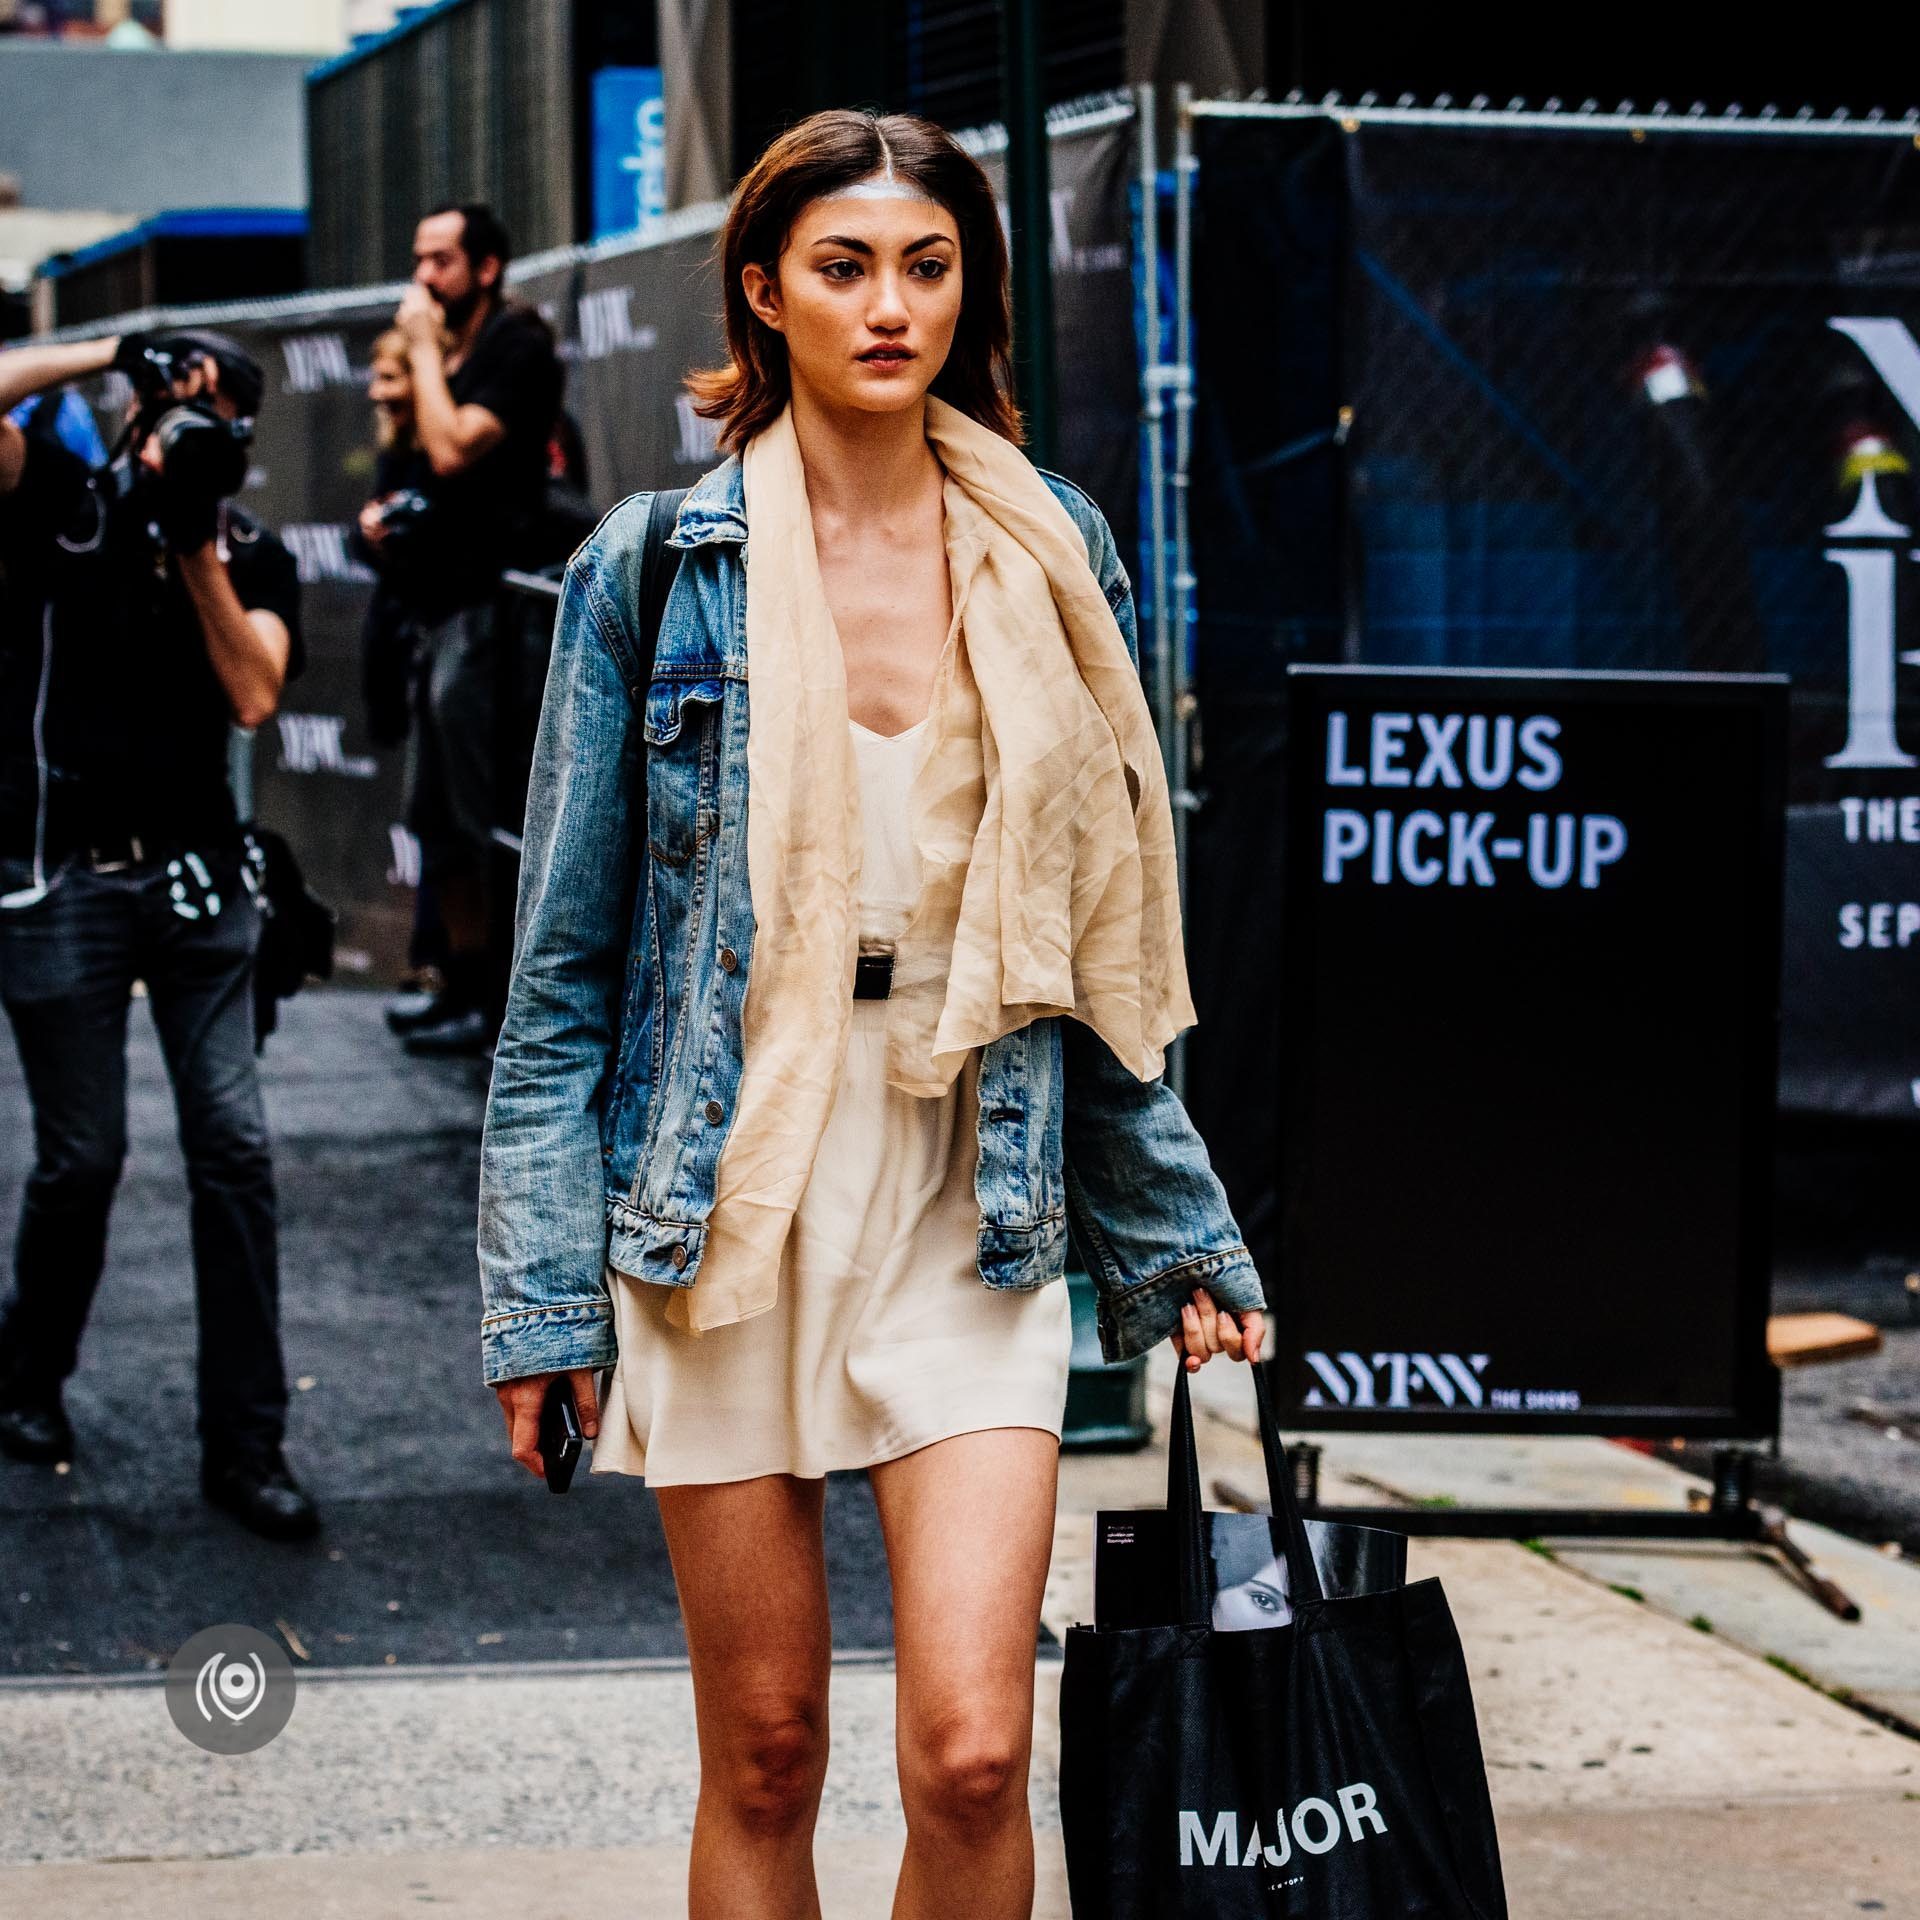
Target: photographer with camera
{"x":144,"y":615}
{"x":450,"y":515}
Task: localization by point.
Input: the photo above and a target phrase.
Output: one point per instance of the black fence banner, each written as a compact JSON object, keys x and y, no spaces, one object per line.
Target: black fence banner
{"x":1530,"y":997}
{"x":317,"y":777}
{"x":1562,"y":394}
{"x":628,"y":324}
{"x":631,"y":319}
{"x":1090,"y":159}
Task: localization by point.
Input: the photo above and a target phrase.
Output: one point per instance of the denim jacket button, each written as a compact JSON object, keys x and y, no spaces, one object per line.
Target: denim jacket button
{"x":729,"y":960}
{"x":679,"y":1258}
{"x":714,"y":1111}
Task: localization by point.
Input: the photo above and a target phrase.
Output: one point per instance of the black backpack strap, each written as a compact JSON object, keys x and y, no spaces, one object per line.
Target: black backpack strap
{"x":659,"y":565}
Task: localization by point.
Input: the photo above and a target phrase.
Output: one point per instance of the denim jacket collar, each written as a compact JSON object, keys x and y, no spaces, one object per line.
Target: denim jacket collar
{"x":715,"y":509}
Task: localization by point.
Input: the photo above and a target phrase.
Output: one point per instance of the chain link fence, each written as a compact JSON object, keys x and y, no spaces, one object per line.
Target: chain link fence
{"x":1570,"y":391}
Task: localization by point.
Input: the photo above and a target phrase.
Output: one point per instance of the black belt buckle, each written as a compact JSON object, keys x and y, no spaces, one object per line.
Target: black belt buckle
{"x":119,"y":854}
{"x":872,"y":976}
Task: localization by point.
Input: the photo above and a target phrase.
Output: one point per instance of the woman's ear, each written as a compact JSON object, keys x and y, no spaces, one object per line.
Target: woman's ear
{"x":763,"y":293}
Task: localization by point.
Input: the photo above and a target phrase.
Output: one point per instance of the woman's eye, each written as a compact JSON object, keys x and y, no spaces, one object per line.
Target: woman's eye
{"x":1266,"y":1603}
{"x":938,"y":269}
{"x":833,"y":270}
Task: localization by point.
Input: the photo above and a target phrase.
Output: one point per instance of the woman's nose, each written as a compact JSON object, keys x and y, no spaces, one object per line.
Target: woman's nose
{"x":889,"y":308}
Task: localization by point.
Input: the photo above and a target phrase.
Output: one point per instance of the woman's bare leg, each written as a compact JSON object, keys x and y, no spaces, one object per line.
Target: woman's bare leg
{"x":969,"y":1532}
{"x":750,"y":1564}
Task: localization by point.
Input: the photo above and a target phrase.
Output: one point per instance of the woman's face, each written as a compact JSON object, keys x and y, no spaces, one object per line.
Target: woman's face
{"x":1257,"y":1602}
{"x":390,"y":388}
{"x":866,"y":296}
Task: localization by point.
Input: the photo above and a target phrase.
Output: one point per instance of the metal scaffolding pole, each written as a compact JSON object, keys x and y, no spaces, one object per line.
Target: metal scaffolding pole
{"x":1153,"y":413}
{"x":1179,"y":380}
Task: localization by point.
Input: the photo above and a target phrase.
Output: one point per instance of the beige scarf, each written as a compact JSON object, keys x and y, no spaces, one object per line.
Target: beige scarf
{"x":1040,"y":815}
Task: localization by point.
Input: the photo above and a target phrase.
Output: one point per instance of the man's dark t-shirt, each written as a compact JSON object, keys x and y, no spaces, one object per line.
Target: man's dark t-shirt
{"x":482,"y":516}
{"x":112,"y":719}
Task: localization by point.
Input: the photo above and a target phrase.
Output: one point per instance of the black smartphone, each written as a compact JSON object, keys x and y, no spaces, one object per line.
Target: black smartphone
{"x":560,"y":1436}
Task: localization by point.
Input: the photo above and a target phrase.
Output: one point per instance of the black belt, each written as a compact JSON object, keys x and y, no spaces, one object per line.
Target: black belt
{"x":114,"y":852}
{"x":873,"y":976}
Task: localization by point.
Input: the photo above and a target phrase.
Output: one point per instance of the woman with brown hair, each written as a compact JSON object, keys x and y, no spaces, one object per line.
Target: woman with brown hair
{"x":391,"y":539}
{"x":795,"y":1098}
{"x":388,"y":535}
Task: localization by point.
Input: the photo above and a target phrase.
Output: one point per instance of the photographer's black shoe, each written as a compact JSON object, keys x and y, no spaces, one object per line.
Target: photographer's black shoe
{"x":38,"y":1432}
{"x":462,"y":1033}
{"x":259,"y":1490}
{"x":406,"y":1012}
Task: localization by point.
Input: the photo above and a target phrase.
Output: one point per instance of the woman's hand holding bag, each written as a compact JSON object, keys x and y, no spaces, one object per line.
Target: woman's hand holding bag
{"x":1206,"y":1330}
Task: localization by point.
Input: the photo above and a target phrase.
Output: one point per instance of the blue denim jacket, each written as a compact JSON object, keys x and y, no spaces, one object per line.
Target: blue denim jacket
{"x":615,"y":1073}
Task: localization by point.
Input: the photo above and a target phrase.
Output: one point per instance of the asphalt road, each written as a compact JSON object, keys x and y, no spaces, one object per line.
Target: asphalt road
{"x":436,"y":1547}
{"x":1850,"y":1429}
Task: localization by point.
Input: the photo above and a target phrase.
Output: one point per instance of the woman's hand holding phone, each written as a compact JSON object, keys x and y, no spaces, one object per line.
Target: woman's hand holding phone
{"x":523,"y":1400}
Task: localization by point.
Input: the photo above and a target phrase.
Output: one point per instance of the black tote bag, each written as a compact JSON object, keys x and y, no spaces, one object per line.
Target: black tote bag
{"x":1328,"y":1769}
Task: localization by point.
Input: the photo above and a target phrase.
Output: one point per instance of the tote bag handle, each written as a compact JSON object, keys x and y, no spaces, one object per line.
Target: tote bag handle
{"x":1289,"y":1531}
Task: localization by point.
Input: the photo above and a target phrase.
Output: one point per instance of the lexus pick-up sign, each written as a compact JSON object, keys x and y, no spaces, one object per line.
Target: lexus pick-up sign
{"x":1530,"y":1004}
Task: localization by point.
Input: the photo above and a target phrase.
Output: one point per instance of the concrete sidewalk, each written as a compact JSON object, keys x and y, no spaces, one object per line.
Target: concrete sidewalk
{"x":1640,"y":1768}
{"x":391,"y":1427}
{"x":1815,"y":1859}
{"x":1741,"y":1593}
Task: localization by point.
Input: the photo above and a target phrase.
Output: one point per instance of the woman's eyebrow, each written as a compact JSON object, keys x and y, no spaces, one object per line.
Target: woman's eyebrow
{"x":847,"y":243}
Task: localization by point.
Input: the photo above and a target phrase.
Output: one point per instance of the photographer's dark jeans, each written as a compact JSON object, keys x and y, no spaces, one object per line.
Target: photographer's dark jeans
{"x":67,"y":967}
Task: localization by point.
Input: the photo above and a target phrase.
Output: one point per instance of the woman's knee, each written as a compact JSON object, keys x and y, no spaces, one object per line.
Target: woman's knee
{"x":967,"y":1769}
{"x":773,"y":1762}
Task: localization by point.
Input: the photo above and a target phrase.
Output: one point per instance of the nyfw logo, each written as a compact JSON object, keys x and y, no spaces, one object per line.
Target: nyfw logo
{"x":1314,"y":1828}
{"x":1069,"y":256}
{"x":403,"y":870}
{"x":317,"y":361}
{"x":699,"y":439}
{"x":605,"y":325}
{"x":1872,"y":546}
{"x":320,"y":553}
{"x":1397,"y":1379}
{"x":316,"y":743}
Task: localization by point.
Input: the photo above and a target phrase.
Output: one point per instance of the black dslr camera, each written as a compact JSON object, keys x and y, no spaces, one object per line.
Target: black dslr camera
{"x":403,"y":514}
{"x":203,"y":454}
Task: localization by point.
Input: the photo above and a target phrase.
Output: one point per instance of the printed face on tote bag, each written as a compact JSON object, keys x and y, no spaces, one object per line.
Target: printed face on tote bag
{"x":1133,"y":1568}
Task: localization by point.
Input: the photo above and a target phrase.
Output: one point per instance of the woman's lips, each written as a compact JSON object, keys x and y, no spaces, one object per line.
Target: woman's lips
{"x":884,"y":361}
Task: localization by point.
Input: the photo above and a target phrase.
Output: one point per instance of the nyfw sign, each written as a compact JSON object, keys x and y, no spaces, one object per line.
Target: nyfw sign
{"x":1869,"y":547}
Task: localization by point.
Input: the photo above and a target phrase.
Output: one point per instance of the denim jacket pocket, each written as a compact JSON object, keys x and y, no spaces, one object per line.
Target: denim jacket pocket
{"x":681,"y":727}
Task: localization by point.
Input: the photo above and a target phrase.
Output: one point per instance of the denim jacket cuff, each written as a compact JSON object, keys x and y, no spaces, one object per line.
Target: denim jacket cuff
{"x":1138,"y":1320}
{"x":547,"y":1340}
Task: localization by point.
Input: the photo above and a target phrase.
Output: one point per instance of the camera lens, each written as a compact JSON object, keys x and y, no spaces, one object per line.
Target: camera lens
{"x":200,"y":452}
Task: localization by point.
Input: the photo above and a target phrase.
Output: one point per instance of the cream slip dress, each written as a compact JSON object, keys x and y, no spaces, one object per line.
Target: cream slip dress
{"x":884,"y":1338}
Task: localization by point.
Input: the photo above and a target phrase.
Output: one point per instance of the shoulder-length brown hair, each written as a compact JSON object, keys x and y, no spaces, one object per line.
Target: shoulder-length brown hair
{"x":391,"y":345}
{"x":823,"y":153}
